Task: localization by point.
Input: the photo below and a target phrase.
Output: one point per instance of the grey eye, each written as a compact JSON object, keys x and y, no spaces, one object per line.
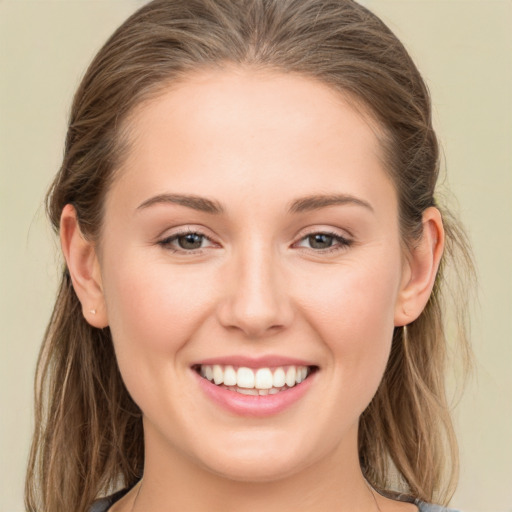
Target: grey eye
{"x":320,"y":241}
{"x":190,"y":241}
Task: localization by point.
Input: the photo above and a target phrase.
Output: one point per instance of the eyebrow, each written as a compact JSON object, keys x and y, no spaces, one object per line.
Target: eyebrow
{"x":190,"y":201}
{"x":316,"y":202}
{"x":303,"y":204}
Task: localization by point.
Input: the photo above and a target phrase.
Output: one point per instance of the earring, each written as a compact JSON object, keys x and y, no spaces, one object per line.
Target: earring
{"x":92,"y":311}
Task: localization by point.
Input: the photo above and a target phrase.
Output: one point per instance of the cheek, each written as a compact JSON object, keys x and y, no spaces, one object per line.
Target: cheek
{"x":153,"y":310}
{"x":356,"y":295}
{"x":352,"y":308}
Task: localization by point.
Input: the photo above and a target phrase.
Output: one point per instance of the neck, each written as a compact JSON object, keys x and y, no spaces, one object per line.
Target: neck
{"x":172,"y":481}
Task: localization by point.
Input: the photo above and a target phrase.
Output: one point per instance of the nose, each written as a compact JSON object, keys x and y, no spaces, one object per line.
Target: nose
{"x":256,"y":301}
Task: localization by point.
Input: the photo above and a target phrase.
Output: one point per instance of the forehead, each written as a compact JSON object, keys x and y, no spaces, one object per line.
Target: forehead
{"x":253,"y":130}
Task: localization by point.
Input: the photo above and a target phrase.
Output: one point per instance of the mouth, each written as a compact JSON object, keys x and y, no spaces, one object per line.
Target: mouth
{"x":255,"y":381}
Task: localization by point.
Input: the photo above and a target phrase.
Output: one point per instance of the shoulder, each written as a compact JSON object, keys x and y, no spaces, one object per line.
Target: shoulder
{"x":103,"y":504}
{"x":427,"y":507}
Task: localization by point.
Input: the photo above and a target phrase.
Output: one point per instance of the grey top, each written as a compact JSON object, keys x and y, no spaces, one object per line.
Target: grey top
{"x":103,"y":504}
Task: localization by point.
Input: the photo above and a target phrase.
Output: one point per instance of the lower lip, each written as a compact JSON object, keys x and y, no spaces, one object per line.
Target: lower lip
{"x":252,"y":405}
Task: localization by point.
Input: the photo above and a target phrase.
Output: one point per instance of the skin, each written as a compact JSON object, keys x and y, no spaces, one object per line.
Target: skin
{"x":253,"y":143}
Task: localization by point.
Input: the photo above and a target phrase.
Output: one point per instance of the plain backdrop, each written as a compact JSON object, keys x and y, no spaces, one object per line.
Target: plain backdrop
{"x":463,"y":48}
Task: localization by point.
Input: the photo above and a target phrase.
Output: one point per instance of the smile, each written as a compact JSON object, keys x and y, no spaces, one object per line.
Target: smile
{"x":255,"y":381}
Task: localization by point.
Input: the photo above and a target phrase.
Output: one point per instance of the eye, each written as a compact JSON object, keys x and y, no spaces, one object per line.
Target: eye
{"x":190,"y":241}
{"x":186,"y":242}
{"x":324,"y":242}
{"x":320,"y":241}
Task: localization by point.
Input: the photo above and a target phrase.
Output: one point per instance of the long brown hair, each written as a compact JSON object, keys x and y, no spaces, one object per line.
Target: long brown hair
{"x":88,"y":438}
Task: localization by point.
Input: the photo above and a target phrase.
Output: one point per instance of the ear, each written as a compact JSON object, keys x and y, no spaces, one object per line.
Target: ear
{"x":84,"y":268}
{"x":420,"y":269}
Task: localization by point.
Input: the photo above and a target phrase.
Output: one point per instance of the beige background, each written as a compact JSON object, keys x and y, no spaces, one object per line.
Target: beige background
{"x":463,"y":47}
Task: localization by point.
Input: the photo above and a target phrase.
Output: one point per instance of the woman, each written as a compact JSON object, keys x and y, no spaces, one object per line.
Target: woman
{"x":250,"y":314}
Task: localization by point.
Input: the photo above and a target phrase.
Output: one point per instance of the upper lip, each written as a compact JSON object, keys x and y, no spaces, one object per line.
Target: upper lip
{"x":255,"y":362}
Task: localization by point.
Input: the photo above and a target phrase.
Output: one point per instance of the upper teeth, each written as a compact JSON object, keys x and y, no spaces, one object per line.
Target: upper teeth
{"x":249,"y":378}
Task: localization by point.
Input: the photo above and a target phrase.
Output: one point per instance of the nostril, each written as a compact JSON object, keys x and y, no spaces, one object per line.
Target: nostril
{"x":255,"y":305}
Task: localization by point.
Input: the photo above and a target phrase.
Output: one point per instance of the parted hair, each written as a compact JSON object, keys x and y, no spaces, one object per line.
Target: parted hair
{"x":88,"y":438}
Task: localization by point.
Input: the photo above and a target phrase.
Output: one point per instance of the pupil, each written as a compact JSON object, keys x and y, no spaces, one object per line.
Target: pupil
{"x":320,"y":241}
{"x":190,"y":241}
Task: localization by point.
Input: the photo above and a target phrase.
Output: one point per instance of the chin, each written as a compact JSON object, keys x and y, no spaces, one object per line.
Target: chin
{"x":258,"y":461}
{"x":255,"y":470}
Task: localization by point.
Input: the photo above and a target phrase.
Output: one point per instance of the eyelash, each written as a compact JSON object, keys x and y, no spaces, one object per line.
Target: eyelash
{"x":341,"y":243}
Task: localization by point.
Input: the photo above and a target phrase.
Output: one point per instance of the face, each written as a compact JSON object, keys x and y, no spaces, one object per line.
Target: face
{"x":251,"y":234}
